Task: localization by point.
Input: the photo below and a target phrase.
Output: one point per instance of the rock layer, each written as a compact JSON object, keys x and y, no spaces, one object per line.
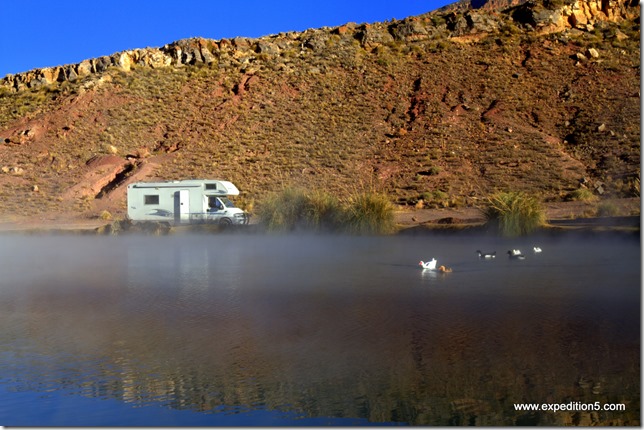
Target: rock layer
{"x":553,"y":16}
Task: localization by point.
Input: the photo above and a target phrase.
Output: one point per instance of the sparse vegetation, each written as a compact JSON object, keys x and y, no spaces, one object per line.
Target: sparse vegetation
{"x":433,"y":118}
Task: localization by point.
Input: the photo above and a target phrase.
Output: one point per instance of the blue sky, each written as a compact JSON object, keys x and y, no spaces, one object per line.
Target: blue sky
{"x":38,"y":33}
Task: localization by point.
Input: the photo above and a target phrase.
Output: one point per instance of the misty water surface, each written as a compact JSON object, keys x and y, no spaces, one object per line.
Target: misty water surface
{"x":308,"y":330}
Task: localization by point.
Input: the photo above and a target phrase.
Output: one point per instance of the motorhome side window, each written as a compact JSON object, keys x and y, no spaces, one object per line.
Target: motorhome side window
{"x":214,"y":203}
{"x":152,"y":199}
{"x":211,"y":186}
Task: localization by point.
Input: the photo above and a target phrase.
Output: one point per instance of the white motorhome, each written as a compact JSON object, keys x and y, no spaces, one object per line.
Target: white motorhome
{"x":184,"y":202}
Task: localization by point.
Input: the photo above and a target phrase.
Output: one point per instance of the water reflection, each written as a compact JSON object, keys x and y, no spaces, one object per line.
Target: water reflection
{"x":325,"y":326}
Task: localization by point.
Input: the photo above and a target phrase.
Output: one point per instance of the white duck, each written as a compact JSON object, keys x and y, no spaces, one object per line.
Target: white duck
{"x":536,"y":249}
{"x":429,"y":265}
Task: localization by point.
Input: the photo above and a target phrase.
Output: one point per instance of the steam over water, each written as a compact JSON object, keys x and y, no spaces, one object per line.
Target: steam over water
{"x":308,"y":330}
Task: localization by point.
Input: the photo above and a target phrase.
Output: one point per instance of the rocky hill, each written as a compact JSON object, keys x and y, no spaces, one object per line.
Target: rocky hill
{"x":442,"y":108}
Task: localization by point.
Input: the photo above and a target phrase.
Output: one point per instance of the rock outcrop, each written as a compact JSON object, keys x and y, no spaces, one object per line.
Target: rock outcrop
{"x":554,"y":16}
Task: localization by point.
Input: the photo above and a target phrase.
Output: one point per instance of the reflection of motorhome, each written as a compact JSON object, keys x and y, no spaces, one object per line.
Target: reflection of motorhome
{"x":184,"y":202}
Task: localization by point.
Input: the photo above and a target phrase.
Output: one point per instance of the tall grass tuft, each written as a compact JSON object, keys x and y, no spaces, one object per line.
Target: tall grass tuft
{"x":515,"y":213}
{"x":370,"y":213}
{"x":283,"y":211}
{"x":323,"y":212}
{"x":295,"y":209}
{"x":582,"y":195}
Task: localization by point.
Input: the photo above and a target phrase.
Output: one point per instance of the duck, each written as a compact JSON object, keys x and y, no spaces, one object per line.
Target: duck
{"x":536,"y":249}
{"x":515,"y":254}
{"x":429,"y":265}
{"x":444,"y":269}
{"x":487,"y":254}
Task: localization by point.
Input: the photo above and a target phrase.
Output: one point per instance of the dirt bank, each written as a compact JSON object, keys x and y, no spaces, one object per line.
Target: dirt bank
{"x":559,"y":213}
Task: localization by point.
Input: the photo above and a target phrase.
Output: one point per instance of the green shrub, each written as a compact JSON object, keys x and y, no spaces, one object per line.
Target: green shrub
{"x":283,"y":211}
{"x":436,"y":197}
{"x":608,"y":208}
{"x":370,"y":213}
{"x":515,"y":213}
{"x":582,"y":195}
{"x":105,"y":215}
{"x":323,"y":212}
{"x":295,"y":209}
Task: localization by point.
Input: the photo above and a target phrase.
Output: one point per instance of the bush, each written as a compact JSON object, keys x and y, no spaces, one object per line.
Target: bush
{"x":582,"y":195}
{"x":283,"y":211}
{"x":515,"y":213}
{"x":105,"y":216}
{"x":608,"y":208}
{"x":323,"y":212}
{"x":294,"y":209}
{"x":436,"y":198}
{"x":370,"y":213}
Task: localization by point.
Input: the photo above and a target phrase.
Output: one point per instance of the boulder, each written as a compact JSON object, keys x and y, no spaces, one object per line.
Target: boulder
{"x":102,"y":63}
{"x":154,"y":58}
{"x":316,"y":40}
{"x":84,"y":68}
{"x":266,"y":47}
{"x":578,"y":19}
{"x":409,"y":30}
{"x":49,"y":75}
{"x":373,"y":36}
{"x":241,"y":43}
{"x":207,"y":56}
{"x":456,"y":24}
{"x":124,"y":60}
{"x":70,"y":73}
{"x":620,"y":36}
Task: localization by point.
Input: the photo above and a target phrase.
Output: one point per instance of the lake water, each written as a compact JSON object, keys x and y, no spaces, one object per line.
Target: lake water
{"x":235,"y":329}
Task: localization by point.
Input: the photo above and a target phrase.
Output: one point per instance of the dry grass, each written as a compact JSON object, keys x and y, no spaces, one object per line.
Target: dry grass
{"x":515,"y":213}
{"x":296,"y":209}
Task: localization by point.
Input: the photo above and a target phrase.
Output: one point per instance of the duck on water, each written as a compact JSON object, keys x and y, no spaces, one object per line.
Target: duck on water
{"x":429,"y":265}
{"x":515,"y":254}
{"x":486,"y":254}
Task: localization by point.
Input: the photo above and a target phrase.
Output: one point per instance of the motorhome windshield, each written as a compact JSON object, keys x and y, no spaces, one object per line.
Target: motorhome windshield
{"x":226,"y":201}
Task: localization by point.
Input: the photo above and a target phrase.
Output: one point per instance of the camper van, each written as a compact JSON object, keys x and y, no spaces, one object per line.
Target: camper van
{"x":184,"y":202}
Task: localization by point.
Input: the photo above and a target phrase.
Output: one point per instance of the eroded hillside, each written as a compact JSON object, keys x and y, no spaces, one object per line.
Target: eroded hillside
{"x":446,"y":108}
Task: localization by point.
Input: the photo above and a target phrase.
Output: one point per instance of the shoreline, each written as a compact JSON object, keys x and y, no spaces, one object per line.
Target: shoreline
{"x":563,"y":216}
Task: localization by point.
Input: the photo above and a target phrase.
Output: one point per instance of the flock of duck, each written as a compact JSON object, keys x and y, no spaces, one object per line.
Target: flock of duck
{"x":513,"y":254}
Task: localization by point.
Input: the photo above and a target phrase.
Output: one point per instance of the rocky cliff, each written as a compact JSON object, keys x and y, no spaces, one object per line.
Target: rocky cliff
{"x":543,"y":17}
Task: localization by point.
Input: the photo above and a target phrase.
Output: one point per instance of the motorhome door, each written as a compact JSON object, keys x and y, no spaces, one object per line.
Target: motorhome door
{"x":182,"y":206}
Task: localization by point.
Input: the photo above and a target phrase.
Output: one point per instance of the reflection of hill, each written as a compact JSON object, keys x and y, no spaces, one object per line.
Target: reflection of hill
{"x":248,"y":340}
{"x":307,"y":355}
